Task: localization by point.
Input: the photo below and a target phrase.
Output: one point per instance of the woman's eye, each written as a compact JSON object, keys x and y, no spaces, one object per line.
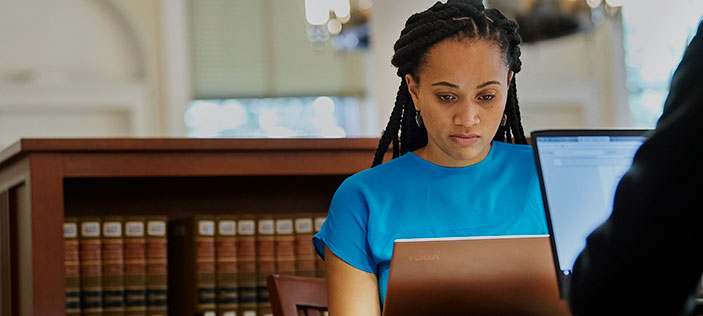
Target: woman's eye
{"x":486,"y":97}
{"x":446,"y":97}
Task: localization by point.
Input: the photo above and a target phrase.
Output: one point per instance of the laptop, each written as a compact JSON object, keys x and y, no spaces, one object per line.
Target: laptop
{"x":579,"y":171}
{"x":505,"y":275}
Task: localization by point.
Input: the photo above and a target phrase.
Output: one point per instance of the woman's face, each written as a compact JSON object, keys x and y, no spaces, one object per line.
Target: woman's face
{"x":461,"y":94}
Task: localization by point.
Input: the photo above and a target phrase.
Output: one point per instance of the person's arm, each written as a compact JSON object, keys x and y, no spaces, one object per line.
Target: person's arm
{"x":646,"y":259}
{"x":350,"y":291}
{"x":351,"y":269}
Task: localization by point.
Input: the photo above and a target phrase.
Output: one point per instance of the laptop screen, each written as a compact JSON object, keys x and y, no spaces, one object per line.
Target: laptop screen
{"x":579,"y":172}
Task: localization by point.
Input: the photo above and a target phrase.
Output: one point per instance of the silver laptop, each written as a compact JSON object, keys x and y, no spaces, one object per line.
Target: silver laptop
{"x":579,"y":171}
{"x":506,"y":275}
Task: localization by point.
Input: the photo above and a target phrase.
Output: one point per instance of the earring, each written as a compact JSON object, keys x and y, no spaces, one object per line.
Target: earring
{"x":418,"y":119}
{"x":504,"y":120}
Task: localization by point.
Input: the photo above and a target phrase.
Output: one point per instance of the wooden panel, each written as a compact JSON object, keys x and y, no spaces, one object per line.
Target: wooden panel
{"x":10,"y":152}
{"x":12,"y":177}
{"x":183,"y":197}
{"x":22,"y":265}
{"x":46,"y":231}
{"x":209,"y":163}
{"x":5,"y":255}
{"x":188,"y":144}
{"x":151,"y":145}
{"x":14,"y":281}
{"x":14,"y":174}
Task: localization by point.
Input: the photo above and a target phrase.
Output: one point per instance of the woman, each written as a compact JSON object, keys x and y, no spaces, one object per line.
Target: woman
{"x":454,"y":171}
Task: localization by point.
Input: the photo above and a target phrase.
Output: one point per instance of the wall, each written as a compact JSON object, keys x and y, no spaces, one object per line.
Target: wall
{"x":79,"y":68}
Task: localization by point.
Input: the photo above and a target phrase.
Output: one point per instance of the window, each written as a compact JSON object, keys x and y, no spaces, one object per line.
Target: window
{"x":256,"y":74}
{"x":321,"y":117}
{"x":656,"y":34}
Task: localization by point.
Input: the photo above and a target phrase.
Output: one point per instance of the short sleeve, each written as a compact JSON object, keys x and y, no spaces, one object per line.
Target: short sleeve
{"x":535,"y":205}
{"x":345,"y":229}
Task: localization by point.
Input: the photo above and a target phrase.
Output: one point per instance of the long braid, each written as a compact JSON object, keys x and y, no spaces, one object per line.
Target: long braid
{"x":391,"y":131}
{"x":512,"y":108}
{"x":515,"y":121}
{"x":456,"y":18}
{"x":405,"y":123}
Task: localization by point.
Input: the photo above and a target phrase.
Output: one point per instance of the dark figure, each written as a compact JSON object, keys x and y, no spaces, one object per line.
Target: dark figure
{"x":647,"y":258}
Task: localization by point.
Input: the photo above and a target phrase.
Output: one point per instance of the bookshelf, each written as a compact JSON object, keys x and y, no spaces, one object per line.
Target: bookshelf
{"x":43,"y":180}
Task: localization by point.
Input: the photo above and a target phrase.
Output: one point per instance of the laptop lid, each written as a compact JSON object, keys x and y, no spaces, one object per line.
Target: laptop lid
{"x":506,"y":275}
{"x":579,"y":171}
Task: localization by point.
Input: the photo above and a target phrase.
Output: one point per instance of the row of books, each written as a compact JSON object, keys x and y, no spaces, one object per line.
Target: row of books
{"x":116,"y":266}
{"x":203,"y":265}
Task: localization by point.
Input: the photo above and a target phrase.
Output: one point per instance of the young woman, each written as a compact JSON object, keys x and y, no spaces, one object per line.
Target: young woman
{"x":455,"y":170}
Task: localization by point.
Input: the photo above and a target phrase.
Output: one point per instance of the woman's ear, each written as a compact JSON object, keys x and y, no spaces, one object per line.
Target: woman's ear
{"x":511,"y":74}
{"x":412,"y":89}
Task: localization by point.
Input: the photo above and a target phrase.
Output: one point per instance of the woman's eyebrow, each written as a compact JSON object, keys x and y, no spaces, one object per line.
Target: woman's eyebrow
{"x":451,"y":85}
{"x":446,"y":84}
{"x":487,"y":83}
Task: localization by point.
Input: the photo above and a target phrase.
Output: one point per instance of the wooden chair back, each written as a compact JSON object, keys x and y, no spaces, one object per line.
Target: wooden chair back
{"x":290,"y":294}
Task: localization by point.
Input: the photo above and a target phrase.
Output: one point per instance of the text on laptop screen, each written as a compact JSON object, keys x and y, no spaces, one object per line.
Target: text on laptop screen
{"x":580,"y":175}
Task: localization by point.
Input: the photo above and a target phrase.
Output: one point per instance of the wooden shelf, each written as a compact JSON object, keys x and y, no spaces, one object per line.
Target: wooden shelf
{"x":42,"y":180}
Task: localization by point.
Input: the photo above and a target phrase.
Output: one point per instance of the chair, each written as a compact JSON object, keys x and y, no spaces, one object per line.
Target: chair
{"x":289,"y":293}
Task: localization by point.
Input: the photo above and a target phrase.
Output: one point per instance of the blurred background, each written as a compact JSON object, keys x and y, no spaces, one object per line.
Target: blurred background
{"x":308,"y":68}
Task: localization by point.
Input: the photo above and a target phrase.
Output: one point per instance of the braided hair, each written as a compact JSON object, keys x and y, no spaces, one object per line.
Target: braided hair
{"x":461,"y":19}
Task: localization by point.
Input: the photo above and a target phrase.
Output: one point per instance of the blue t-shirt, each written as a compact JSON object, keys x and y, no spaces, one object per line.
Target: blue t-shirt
{"x":409,"y":197}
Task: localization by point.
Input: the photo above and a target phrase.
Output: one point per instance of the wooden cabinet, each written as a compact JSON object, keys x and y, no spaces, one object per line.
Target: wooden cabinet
{"x":43,"y":180}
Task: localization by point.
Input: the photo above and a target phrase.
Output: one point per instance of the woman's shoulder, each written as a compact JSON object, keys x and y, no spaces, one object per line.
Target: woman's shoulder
{"x":518,"y":155}
{"x":389,"y":169}
{"x":512,"y":150}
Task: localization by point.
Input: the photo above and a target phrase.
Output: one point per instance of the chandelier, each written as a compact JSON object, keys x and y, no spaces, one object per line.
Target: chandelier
{"x":328,"y":18}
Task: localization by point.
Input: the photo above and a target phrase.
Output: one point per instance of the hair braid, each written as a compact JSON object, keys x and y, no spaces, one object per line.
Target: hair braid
{"x":456,"y":18}
{"x":515,"y":121}
{"x":390,"y":134}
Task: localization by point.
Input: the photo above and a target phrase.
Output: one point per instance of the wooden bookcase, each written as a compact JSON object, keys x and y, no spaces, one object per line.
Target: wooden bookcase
{"x":43,"y":180}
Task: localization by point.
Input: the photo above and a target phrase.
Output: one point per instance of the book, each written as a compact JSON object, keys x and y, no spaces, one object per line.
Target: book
{"x":113,"y":266}
{"x":319,"y":219}
{"x":135,"y":266}
{"x":90,"y":249}
{"x":285,"y":245}
{"x":72,"y":266}
{"x":265,"y":260}
{"x":304,"y":250}
{"x":193,"y":266}
{"x":156,"y":266}
{"x":226,"y":258}
{"x":246,"y":261}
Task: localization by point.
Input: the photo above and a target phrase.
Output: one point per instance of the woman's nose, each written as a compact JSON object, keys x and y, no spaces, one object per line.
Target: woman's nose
{"x":467,"y":115}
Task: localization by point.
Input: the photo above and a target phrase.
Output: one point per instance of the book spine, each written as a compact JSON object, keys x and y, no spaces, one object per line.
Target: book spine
{"x":205,"y":266}
{"x":226,"y":253}
{"x":113,"y":267}
{"x":285,"y":245}
{"x":135,"y":266}
{"x":265,"y":261}
{"x":156,"y":267}
{"x":72,"y":266}
{"x":91,"y":267}
{"x":246,"y":261}
{"x":319,"y":263}
{"x":304,"y":250}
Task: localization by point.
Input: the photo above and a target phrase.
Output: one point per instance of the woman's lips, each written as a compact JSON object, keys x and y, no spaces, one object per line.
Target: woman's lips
{"x":465,"y":139}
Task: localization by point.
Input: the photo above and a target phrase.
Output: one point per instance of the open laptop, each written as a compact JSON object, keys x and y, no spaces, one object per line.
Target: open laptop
{"x":506,"y":275}
{"x":579,"y":171}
